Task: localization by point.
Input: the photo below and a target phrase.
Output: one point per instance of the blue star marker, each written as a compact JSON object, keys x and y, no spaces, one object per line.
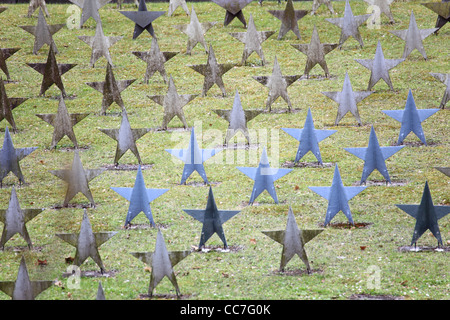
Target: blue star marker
{"x":374,"y":157}
{"x":411,"y":119}
{"x":309,"y":138}
{"x":264,"y":177}
{"x":193,"y":158}
{"x":140,"y":198}
{"x":338,"y":197}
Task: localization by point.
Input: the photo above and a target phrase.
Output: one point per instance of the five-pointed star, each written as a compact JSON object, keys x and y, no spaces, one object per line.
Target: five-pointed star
{"x":139,"y":197}
{"x":14,"y":218}
{"x":317,"y":3}
{"x":374,"y":157}
{"x":90,"y":9}
{"x":413,"y":37}
{"x":100,"y":45}
{"x":23,"y":288}
{"x":379,"y":67}
{"x":348,"y":100}
{"x":174,"y":4}
{"x":426,"y":215}
{"x":125,"y":137}
{"x":212,"y":220}
{"x":293,"y":240}
{"x":193,"y":158}
{"x":5,"y":53}
{"x":338,"y":197}
{"x":7,"y":105}
{"x":87,"y":242}
{"x":411,"y":119}
{"x":162,"y":263}
{"x":309,"y":138}
{"x":277,"y":84}
{"x":237,"y":118}
{"x":34,"y":4}
{"x":234,"y":10}
{"x":143,"y":19}
{"x":43,"y":33}
{"x":349,"y":25}
{"x":77,"y":179}
{"x":264,"y":177}
{"x":51,"y":72}
{"x":10,"y":158}
{"x":445,"y":79}
{"x":173,"y":104}
{"x":63,"y":123}
{"x":315,"y":52}
{"x":155,"y":60}
{"x":213,"y":72}
{"x":289,"y":19}
{"x":442,"y":9}
{"x":252,"y":40}
{"x":111,"y":89}
{"x":383,"y":6}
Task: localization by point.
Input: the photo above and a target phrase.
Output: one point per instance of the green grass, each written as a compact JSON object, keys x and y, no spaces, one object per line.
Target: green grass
{"x":341,"y":267}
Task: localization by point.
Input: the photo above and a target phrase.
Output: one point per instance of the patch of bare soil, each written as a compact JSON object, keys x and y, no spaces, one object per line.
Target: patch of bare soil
{"x":364,"y":296}
{"x":127,"y":167}
{"x":206,"y":249}
{"x":73,"y":206}
{"x":347,"y":225}
{"x":296,"y":272}
{"x":167,"y":296}
{"x":381,"y":183}
{"x":282,"y":110}
{"x":423,"y":249}
{"x":142,"y":226}
{"x":93,"y":274}
{"x":292,"y":164}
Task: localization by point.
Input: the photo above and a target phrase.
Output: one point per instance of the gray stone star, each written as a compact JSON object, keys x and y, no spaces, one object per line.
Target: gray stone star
{"x":383,"y":6}
{"x":155,"y":60}
{"x":442,"y":9}
{"x":174,"y":4}
{"x":234,"y":10}
{"x":5,"y":53}
{"x":277,"y":84}
{"x":7,"y":105}
{"x":213,"y":72}
{"x":289,"y":19}
{"x":143,"y":19}
{"x":90,"y":9}
{"x":379,"y":67}
{"x":195,"y":31}
{"x":34,"y":4}
{"x":444,"y":170}
{"x":317,"y":3}
{"x":173,"y":104}
{"x":315,"y":52}
{"x":413,"y":37}
{"x":252,"y":40}
{"x":445,"y":79}
{"x":63,"y":123}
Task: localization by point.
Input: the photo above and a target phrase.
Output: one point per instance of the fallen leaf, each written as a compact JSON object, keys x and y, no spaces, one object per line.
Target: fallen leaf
{"x":69,"y":260}
{"x":253,"y":241}
{"x":41,"y":262}
{"x":362,"y":247}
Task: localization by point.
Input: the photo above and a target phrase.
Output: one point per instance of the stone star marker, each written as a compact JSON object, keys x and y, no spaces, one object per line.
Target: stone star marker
{"x":139,"y":197}
{"x":293,"y":241}
{"x":143,"y":19}
{"x":233,"y":10}
{"x":347,"y":100}
{"x":14,"y":219}
{"x":426,"y":215}
{"x":411,"y":119}
{"x":338,"y":197}
{"x":43,"y":33}
{"x":264,"y":177}
{"x":277,"y":84}
{"x":162,"y":263}
{"x":317,"y":3}
{"x":213,"y":72}
{"x":252,"y":40}
{"x":444,"y":170}
{"x":173,"y":104}
{"x":174,"y":4}
{"x":111,"y":89}
{"x":125,"y":137}
{"x":212,"y":220}
{"x":87,"y":242}
{"x":52,"y":72}
{"x":24,"y":288}
{"x":289,"y":19}
{"x":374,"y":157}
{"x":237,"y":118}
{"x":445,"y":79}
{"x":5,"y":53}
{"x":383,"y":6}
{"x":309,"y":138}
{"x":155,"y":59}
{"x":10,"y":158}
{"x":100,"y":44}
{"x":413,"y":37}
{"x":77,"y":179}
{"x":442,"y":9}
{"x":90,"y":9}
{"x":34,"y":4}
{"x":193,"y":158}
{"x":349,"y":25}
{"x":63,"y":123}
{"x":379,"y":67}
{"x":315,"y":53}
{"x":195,"y":31}
{"x":7,"y":105}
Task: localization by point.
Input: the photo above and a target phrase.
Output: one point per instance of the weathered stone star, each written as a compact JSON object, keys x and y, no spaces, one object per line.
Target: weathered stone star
{"x":7,"y":105}
{"x":143,"y":19}
{"x":289,"y":19}
{"x":234,"y":10}
{"x":5,"y":53}
{"x":90,"y":9}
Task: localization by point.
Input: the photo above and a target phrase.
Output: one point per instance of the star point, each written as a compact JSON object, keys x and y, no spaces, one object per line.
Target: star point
{"x":7,"y":105}
{"x":5,"y":53}
{"x":443,"y":11}
{"x":445,"y":79}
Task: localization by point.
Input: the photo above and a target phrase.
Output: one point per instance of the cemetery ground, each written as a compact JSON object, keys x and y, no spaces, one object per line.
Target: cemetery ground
{"x":365,"y":260}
